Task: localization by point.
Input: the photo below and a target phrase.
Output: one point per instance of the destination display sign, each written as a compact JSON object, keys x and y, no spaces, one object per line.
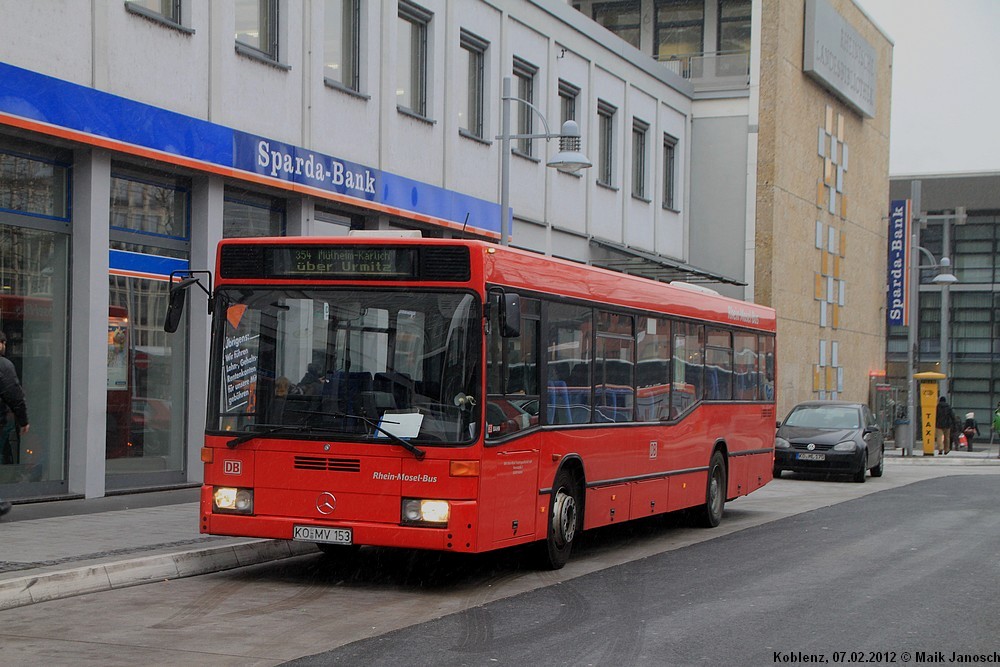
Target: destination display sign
{"x":348,"y":262}
{"x":335,"y":261}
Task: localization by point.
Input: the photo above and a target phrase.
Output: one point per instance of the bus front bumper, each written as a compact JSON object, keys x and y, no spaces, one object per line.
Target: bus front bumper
{"x":458,"y":535}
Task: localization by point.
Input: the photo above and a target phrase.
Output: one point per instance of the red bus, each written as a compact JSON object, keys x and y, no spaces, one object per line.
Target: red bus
{"x":462,"y":396}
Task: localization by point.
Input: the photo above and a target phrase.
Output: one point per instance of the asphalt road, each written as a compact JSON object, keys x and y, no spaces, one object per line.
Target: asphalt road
{"x":906,"y":562}
{"x":889,"y":578}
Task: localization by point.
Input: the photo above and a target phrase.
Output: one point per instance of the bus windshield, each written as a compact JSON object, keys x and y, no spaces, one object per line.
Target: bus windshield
{"x":353,"y":364}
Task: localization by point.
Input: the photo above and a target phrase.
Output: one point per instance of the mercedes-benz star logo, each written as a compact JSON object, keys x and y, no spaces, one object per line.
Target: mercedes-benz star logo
{"x":326,"y":502}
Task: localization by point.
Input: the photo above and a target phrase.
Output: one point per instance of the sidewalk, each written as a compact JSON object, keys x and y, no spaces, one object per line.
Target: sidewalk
{"x":983,"y":452}
{"x":63,"y":548}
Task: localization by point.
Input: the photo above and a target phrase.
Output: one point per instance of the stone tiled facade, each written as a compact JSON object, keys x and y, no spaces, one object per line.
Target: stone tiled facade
{"x":821,"y":354}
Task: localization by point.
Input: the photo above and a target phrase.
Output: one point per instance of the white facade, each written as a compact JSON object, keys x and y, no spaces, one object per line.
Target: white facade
{"x":198,"y":73}
{"x":195,"y":70}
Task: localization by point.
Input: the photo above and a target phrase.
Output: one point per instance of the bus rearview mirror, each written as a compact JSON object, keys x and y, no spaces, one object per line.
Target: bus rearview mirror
{"x":175,"y":309}
{"x":175,"y":304}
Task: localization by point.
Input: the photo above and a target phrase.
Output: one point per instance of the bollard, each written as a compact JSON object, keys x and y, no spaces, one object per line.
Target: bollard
{"x":904,"y":436}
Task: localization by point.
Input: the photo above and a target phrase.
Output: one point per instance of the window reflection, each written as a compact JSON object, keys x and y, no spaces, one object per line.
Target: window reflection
{"x":33,"y":313}
{"x":146,"y":367}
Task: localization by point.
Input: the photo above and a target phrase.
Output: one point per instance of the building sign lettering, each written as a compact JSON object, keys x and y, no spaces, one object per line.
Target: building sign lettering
{"x":838,"y":57}
{"x":899,"y":234}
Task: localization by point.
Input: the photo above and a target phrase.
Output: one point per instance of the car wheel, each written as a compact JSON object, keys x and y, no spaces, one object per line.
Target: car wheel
{"x":777,"y":473}
{"x":709,"y":515}
{"x":859,"y":476}
{"x":564,"y":521}
{"x":878,"y":469}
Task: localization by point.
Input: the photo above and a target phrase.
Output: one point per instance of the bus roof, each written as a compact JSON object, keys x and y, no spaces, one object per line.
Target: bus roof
{"x":519,"y":268}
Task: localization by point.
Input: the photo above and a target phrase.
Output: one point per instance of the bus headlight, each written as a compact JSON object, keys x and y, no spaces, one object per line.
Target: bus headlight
{"x":417,"y":511}
{"x":227,"y":499}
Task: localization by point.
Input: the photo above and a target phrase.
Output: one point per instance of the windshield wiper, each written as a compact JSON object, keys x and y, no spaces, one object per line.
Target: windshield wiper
{"x":418,"y":453}
{"x":271,"y":430}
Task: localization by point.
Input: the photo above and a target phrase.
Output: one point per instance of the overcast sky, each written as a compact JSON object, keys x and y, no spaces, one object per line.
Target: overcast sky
{"x":945,"y":84}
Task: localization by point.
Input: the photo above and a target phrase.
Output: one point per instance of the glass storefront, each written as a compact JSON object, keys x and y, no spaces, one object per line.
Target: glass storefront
{"x":250,"y":214}
{"x":147,"y":377}
{"x":34,"y":263}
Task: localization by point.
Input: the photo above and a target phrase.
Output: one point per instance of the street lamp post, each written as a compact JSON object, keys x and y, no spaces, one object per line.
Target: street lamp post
{"x":945,"y":278}
{"x":569,"y":158}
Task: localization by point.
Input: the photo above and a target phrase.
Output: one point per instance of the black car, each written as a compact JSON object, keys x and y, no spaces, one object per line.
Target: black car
{"x":833,"y":437}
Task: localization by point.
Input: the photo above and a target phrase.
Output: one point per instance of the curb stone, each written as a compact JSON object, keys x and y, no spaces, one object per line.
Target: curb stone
{"x":53,"y":583}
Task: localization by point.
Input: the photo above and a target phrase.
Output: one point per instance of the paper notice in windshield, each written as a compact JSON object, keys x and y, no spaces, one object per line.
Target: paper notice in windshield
{"x":240,"y":360}
{"x":400,"y":424}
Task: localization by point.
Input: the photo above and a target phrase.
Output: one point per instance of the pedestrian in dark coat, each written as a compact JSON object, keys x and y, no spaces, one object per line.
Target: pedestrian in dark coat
{"x":943,"y":426}
{"x":11,"y":400}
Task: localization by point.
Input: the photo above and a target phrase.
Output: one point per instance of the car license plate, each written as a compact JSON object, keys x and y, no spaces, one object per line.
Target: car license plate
{"x":325,"y":535}
{"x":811,"y":456}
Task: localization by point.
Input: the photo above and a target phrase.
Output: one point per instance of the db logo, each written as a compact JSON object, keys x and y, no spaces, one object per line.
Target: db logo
{"x":232,"y":467}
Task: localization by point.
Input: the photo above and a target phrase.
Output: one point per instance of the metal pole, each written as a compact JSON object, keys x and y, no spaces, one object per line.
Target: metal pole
{"x":945,"y":310}
{"x":913,"y":320}
{"x":505,"y":162}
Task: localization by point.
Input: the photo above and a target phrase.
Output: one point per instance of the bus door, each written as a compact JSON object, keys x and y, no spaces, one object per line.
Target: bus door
{"x":510,"y":461}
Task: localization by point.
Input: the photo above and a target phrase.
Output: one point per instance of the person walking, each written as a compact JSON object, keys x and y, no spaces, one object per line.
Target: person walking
{"x":996,"y":425}
{"x":970,"y":429}
{"x":943,"y":426}
{"x":12,"y":400}
{"x":955,"y":430}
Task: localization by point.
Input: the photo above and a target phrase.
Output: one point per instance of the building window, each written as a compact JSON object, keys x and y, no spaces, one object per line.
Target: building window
{"x":734,"y":26}
{"x":678,"y":32}
{"x":328,"y":221}
{"x":622,"y":18}
{"x":568,"y":94}
{"x":248,"y":214}
{"x":669,"y":172}
{"x":471,"y":120}
{"x":257,"y":27}
{"x":640,"y":130}
{"x":342,"y":43}
{"x":524,"y":76}
{"x":567,"y":100}
{"x":411,"y":58}
{"x":605,"y":143}
{"x":147,"y":367}
{"x":34,"y":310}
{"x":32,"y":185}
{"x":733,"y":58}
{"x":149,"y":206}
{"x":165,"y":10}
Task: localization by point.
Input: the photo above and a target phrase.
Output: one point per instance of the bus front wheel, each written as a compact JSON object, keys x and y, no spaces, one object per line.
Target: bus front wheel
{"x":709,"y":515}
{"x":564,"y":520}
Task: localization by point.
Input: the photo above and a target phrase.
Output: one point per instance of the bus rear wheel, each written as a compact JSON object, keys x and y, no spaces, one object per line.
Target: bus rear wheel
{"x":564,"y":521}
{"x":709,"y":515}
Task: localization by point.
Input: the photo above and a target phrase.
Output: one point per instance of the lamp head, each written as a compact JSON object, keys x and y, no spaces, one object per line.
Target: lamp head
{"x":945,"y":276}
{"x":569,"y":158}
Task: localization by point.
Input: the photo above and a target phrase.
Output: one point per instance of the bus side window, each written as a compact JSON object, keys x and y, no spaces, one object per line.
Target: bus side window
{"x":653,"y":369}
{"x":689,"y":367}
{"x":570,"y":362}
{"x":765,"y":368}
